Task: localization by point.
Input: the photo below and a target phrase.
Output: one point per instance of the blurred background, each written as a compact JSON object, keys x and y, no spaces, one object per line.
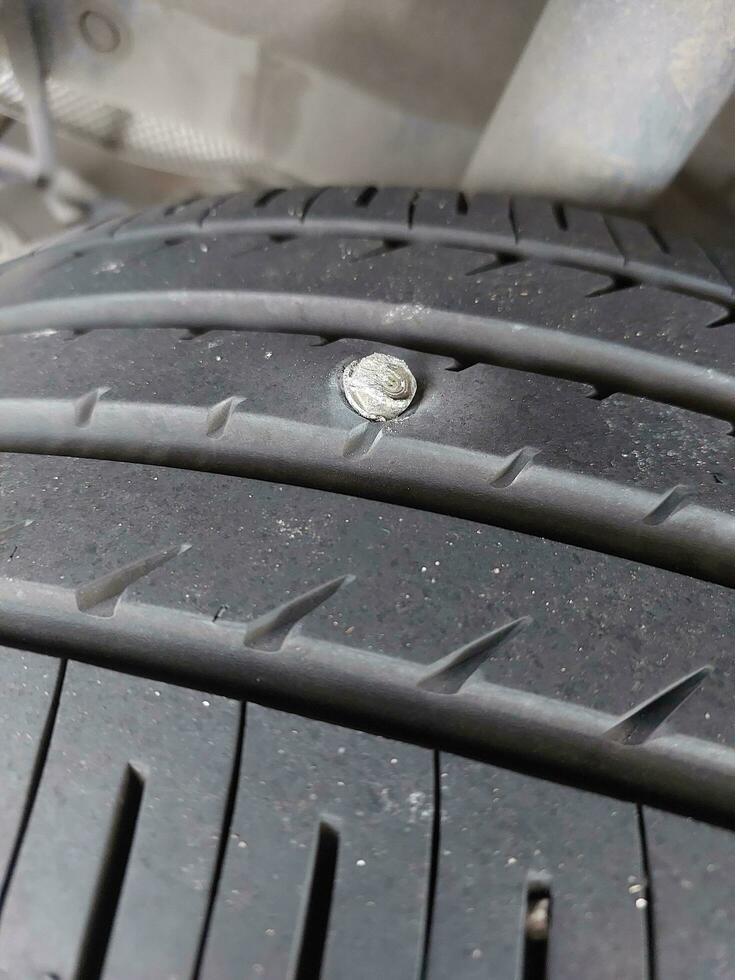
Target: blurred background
{"x":112,"y":105}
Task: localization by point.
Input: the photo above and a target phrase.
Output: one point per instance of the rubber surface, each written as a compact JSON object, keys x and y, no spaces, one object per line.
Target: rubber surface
{"x":291,"y":694}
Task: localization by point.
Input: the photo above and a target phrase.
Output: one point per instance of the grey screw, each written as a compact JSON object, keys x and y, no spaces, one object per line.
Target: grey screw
{"x":99,"y":31}
{"x":379,"y":387}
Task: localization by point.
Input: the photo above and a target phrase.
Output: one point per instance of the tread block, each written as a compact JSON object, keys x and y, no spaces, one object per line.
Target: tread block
{"x":373,"y":800}
{"x":588,"y":230}
{"x":643,"y":244}
{"x":723,"y":258}
{"x":652,"y":628}
{"x":525,"y":227}
{"x":501,"y":835}
{"x":650,"y":319}
{"x":177,"y":218}
{"x":27,"y":682}
{"x":129,"y":809}
{"x":692,"y":868}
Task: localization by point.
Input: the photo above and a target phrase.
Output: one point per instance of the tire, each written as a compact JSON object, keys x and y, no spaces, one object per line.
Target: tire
{"x":291,"y":694}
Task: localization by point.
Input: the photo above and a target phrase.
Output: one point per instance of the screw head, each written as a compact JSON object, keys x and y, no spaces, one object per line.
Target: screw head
{"x":379,"y":387}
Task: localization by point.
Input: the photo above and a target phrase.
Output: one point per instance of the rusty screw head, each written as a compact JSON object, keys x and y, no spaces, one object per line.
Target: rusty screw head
{"x":379,"y":387}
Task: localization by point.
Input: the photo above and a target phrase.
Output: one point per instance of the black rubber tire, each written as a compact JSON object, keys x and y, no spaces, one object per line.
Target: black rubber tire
{"x":290,"y":694}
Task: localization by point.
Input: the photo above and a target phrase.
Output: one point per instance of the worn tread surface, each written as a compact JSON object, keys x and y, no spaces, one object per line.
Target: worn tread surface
{"x":294,"y":695}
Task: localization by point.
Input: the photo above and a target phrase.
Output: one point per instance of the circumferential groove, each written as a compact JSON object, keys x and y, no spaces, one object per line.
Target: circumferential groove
{"x":674,"y":500}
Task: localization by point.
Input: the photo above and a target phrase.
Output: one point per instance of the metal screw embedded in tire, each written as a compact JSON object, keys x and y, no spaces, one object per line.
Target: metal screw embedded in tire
{"x":379,"y":387}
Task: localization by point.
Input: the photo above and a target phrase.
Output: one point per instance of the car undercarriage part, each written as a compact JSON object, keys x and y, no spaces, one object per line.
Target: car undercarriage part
{"x":608,"y":100}
{"x":580,"y":99}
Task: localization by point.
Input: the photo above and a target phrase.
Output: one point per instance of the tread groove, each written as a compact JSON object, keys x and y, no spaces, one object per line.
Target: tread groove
{"x":648,"y":896}
{"x":220,"y":414}
{"x":515,"y":465}
{"x":361,"y":439}
{"x":618,"y":284}
{"x":537,"y":927}
{"x":212,"y":208}
{"x":560,"y":216}
{"x":85,"y":405}
{"x":412,"y":208}
{"x":642,"y":723}
{"x":267,"y":196}
{"x":500,"y":261}
{"x":100,"y":597}
{"x":365,"y":196}
{"x":449,"y":674}
{"x":309,"y":202}
{"x":269,"y":632}
{"x":388,"y":246}
{"x":222,"y":844}
{"x":314,"y":930}
{"x":512,"y":219}
{"x":615,"y":238}
{"x":101,"y":920}
{"x":123,"y":223}
{"x":659,"y":239}
{"x":179,"y":206}
{"x":436,"y":832}
{"x":6,"y":532}
{"x":671,"y":502}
